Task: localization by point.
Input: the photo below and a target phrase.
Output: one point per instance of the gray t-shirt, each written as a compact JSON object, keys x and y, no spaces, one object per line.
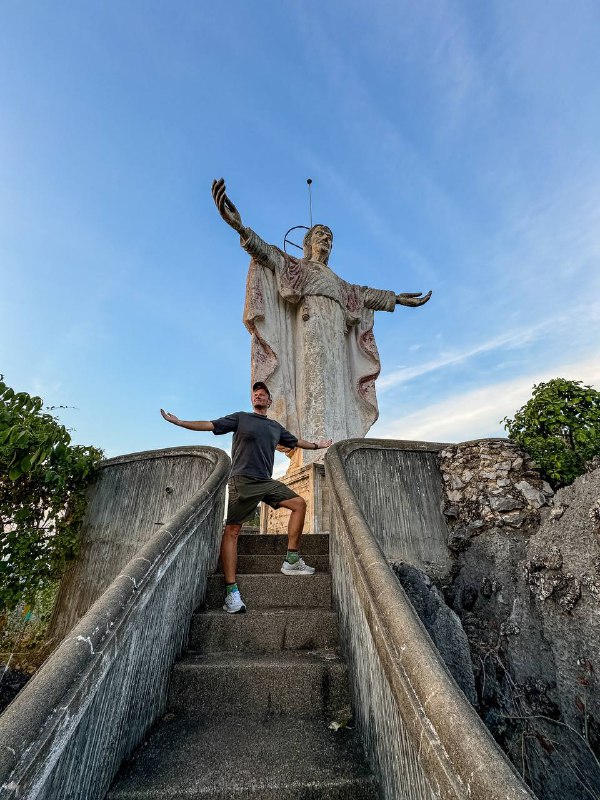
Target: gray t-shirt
{"x":255,"y":438}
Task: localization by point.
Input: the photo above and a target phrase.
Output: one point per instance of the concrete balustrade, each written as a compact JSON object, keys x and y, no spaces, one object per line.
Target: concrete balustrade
{"x":423,"y":738}
{"x":96,"y":697}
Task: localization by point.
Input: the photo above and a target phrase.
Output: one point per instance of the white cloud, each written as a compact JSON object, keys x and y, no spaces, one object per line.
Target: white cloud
{"x":405,"y":374}
{"x":477,"y":413}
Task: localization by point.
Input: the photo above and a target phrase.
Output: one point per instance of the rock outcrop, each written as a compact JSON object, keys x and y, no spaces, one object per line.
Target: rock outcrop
{"x":526,"y":587}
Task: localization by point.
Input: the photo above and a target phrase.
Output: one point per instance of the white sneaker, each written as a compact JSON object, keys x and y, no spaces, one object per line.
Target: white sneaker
{"x":298,"y":568}
{"x":234,"y":603}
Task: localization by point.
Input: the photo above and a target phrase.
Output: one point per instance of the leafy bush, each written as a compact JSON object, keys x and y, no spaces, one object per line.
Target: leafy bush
{"x":560,"y":427}
{"x":43,"y":483}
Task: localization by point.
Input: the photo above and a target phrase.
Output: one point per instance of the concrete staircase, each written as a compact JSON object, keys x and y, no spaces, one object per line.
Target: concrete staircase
{"x":250,"y":704}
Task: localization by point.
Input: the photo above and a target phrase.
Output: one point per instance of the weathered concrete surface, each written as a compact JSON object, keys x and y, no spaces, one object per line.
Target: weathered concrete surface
{"x":276,"y":591}
{"x":422,"y":735}
{"x":529,"y":600}
{"x":274,"y":758}
{"x":301,"y":683}
{"x":264,"y":630}
{"x":97,"y":695}
{"x":399,"y":488}
{"x":249,"y":716}
{"x":134,"y":496}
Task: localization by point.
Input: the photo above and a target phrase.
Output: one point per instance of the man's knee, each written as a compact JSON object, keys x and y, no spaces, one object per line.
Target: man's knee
{"x":296,"y":504}
{"x":232,"y":530}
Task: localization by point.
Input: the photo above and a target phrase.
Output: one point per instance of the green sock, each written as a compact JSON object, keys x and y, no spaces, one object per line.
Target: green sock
{"x":292,"y":556}
{"x":231,"y":587}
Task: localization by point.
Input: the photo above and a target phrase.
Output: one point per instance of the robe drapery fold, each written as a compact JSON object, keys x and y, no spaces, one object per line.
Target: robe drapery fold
{"x":312,"y":344}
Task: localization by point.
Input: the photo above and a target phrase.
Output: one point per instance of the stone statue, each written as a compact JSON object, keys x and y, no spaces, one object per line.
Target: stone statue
{"x":312,"y":335}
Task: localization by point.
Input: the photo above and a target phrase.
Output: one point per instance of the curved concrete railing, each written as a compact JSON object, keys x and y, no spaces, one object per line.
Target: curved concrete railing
{"x":95,"y":698}
{"x":423,"y":737}
{"x":134,"y":496}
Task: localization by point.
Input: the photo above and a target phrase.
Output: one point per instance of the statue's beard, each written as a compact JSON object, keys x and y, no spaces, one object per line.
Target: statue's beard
{"x":320,"y":255}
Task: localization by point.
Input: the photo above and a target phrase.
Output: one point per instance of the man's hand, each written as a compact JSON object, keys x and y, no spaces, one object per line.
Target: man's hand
{"x":225,"y":207}
{"x":412,"y":299}
{"x":320,"y":445}
{"x":169,"y":417}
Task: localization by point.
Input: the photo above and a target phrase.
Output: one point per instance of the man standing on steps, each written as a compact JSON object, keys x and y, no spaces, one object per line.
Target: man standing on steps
{"x":255,"y":438}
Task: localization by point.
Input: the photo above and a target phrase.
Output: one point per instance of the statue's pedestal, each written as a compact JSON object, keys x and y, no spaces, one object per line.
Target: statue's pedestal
{"x":309,"y":483}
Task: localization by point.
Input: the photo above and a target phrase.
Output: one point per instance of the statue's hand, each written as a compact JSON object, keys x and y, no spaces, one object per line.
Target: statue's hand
{"x":412,"y":298}
{"x":226,"y":208}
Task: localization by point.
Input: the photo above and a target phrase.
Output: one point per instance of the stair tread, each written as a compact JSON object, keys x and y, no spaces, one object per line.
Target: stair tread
{"x":270,"y":563}
{"x":275,"y":757}
{"x":272,"y":590}
{"x":263,"y":630}
{"x":231,"y":659}
{"x":276,"y":543}
{"x":267,"y":612}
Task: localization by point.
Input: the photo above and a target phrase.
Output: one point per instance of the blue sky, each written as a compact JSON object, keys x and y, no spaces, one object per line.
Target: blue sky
{"x":454,"y":146}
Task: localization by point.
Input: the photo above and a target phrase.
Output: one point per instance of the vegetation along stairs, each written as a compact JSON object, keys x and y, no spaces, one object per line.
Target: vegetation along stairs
{"x":251,"y":702}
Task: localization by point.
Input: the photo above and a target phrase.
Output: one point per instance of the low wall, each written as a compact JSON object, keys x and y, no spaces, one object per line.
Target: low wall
{"x":94,"y":700}
{"x":133,"y":497}
{"x":422,"y":736}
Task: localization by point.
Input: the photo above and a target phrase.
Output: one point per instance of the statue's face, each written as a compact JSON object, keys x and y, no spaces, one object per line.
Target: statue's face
{"x":321,"y":243}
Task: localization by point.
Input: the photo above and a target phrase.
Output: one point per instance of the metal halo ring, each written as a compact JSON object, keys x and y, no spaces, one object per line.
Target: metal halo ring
{"x":289,"y":241}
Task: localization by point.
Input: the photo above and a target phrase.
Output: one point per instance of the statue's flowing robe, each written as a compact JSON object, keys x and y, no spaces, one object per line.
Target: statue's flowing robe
{"x":312,"y":344}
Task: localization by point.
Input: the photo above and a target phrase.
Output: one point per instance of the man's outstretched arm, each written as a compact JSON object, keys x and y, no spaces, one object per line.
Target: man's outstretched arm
{"x":320,"y":445}
{"x":198,"y":425}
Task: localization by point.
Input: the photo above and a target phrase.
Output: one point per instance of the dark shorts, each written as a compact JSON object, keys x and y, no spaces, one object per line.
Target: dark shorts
{"x":246,"y":493}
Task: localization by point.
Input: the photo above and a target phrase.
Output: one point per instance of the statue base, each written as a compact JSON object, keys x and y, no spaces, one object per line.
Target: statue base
{"x":309,"y":483}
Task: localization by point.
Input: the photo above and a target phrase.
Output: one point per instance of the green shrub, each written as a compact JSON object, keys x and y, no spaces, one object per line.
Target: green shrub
{"x":43,"y":483}
{"x":560,"y":427}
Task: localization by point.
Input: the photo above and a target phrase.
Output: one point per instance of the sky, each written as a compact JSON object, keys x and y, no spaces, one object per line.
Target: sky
{"x":453,"y":146}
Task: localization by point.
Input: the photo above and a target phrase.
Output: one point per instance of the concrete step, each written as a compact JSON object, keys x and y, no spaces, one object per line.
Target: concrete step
{"x":275,"y":591}
{"x":264,"y":630}
{"x":270,"y":544}
{"x":306,"y":684}
{"x":277,"y":758}
{"x":264,"y":564}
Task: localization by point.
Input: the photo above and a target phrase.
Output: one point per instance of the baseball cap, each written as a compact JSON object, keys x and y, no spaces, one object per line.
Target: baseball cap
{"x":261,"y":385}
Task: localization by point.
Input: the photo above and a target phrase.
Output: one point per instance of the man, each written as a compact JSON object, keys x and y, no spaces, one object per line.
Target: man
{"x":255,"y":438}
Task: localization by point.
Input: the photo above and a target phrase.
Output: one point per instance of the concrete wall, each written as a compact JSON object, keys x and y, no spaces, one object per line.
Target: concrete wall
{"x":134,"y":496}
{"x":93,"y":701}
{"x":400,"y":491}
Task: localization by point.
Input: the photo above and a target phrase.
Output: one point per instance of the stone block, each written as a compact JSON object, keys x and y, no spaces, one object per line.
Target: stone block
{"x":308,"y":482}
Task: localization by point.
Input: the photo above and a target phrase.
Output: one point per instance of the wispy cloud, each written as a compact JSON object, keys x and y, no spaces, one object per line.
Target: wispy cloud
{"x":580,"y":327}
{"x":477,"y":413}
{"x":508,"y":340}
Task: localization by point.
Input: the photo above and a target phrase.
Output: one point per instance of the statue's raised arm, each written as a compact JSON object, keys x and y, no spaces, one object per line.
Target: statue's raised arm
{"x":225,"y":207}
{"x":265,"y":254}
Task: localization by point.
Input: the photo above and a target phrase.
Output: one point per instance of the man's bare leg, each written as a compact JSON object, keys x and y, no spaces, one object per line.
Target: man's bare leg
{"x":229,"y":551}
{"x":297,"y":505}
{"x":293,"y":564}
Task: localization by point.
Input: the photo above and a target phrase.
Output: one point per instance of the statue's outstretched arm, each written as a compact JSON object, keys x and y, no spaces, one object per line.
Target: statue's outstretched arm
{"x":384,"y":300}
{"x":264,"y":253}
